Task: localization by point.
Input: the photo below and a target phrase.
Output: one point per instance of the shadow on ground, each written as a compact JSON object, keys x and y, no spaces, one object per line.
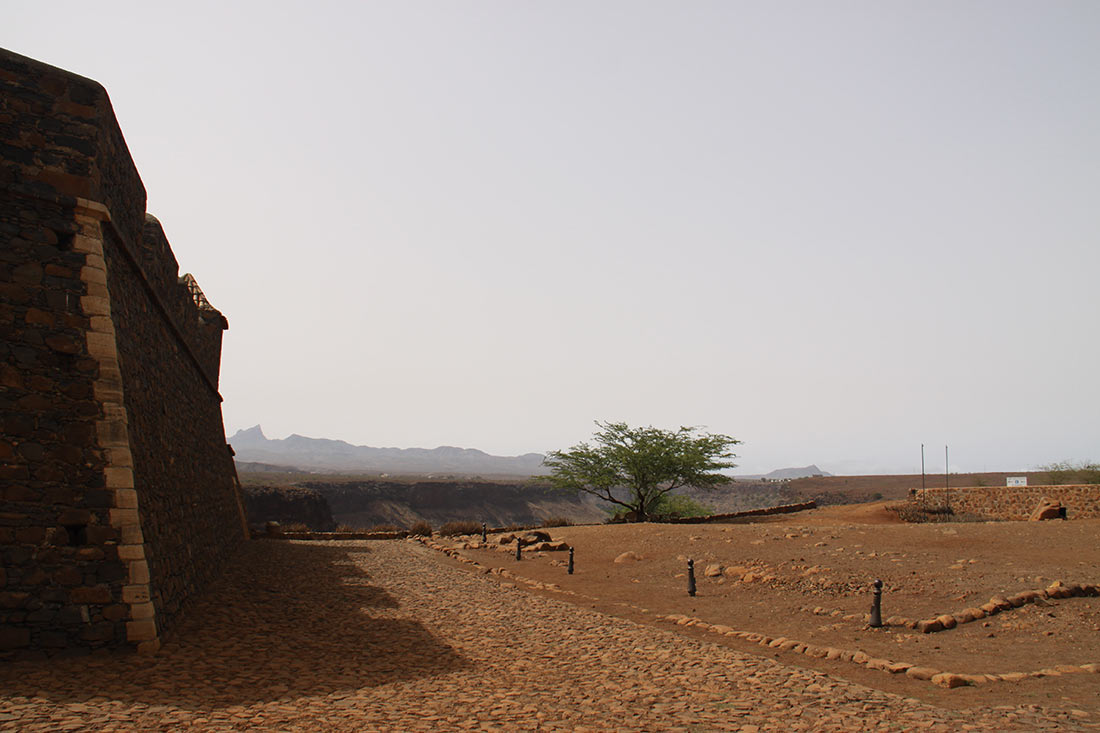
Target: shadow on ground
{"x":285,"y":620}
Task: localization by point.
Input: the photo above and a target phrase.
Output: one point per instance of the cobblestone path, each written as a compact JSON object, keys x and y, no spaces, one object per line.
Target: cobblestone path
{"x":380,"y":636}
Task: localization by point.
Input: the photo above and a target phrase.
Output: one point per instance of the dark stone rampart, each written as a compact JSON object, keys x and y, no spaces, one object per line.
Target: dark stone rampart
{"x":117,"y":492}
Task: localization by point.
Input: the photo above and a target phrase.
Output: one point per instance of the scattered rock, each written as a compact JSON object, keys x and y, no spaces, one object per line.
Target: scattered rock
{"x":949,"y":680}
{"x":921,"y":673}
{"x":628,"y":556}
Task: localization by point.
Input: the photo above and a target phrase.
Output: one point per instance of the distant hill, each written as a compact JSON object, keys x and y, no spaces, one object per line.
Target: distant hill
{"x":789,"y":473}
{"x":321,"y":454}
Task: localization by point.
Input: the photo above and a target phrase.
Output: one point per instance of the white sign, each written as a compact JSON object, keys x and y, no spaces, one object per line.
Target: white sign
{"x":1017,"y":480}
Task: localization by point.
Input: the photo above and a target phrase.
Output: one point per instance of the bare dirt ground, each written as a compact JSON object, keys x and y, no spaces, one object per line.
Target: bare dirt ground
{"x":394,"y":636}
{"x":808,"y":577}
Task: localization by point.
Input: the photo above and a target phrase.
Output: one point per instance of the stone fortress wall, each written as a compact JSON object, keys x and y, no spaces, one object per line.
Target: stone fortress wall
{"x":118,"y":494}
{"x":1013,"y":502}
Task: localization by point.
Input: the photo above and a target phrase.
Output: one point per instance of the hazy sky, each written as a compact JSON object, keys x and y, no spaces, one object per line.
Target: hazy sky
{"x":834,"y":230}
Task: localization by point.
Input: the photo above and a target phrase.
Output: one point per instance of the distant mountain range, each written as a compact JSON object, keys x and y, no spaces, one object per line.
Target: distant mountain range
{"x":321,"y":454}
{"x":256,"y":452}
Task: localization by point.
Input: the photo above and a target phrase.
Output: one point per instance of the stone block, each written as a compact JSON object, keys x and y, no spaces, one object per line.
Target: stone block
{"x":132,"y":534}
{"x":112,"y":433}
{"x":141,"y":630}
{"x":102,"y":631}
{"x":135,"y":593}
{"x":101,"y":324}
{"x":111,"y":572}
{"x":68,"y":576}
{"x":139,"y":572}
{"x":105,"y":392}
{"x":93,"y":275}
{"x":99,"y":534}
{"x":120,"y":456}
{"x":126,"y":499}
{"x":123,"y":517}
{"x":88,"y":245}
{"x":101,"y":345}
{"x":948,"y":680}
{"x":142,"y":610}
{"x":119,"y":477}
{"x":90,"y":594}
{"x":94,"y":305}
{"x":131,"y":552}
{"x":74,"y":517}
{"x":30,"y":535}
{"x":921,"y":673}
{"x":12,"y":637}
{"x":115,"y":612}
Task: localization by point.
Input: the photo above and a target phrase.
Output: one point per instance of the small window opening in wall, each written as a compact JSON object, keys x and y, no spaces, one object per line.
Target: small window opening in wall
{"x":78,"y":533}
{"x":64,"y":240}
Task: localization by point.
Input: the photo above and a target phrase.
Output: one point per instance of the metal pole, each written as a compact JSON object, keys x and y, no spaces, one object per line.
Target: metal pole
{"x":484,"y":536}
{"x":946,"y":476}
{"x":922,"y":467}
{"x":519,"y":550}
{"x":570,"y":560}
{"x":876,"y":606}
{"x":691,"y":577}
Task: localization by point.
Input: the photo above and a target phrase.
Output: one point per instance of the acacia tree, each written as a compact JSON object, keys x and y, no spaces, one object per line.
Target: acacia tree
{"x":649,"y":462}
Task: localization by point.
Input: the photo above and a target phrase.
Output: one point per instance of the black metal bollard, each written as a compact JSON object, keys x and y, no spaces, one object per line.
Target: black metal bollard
{"x":519,"y":550}
{"x":570,"y":561}
{"x":691,"y":578}
{"x":484,"y":536}
{"x":876,"y":606}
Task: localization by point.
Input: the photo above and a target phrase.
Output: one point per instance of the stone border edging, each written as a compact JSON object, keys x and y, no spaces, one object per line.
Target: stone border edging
{"x":948,"y":680}
{"x":997,"y":604}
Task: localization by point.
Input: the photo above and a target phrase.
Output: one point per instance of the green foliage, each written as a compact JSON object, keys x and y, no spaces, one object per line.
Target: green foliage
{"x":669,"y":506}
{"x":1067,"y":472}
{"x":648,"y":462}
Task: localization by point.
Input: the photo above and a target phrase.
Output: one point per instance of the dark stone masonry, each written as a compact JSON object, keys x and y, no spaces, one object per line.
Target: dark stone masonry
{"x":118,"y":494}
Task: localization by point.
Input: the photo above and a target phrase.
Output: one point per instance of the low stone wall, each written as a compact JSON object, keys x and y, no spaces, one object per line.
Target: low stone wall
{"x":1013,"y":502}
{"x":765,"y":512}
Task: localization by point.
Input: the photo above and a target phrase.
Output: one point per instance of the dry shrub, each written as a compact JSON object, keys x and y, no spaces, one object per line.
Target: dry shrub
{"x":556,"y":522}
{"x":385,"y":528}
{"x":294,"y":527}
{"x":421,"y":529}
{"x":452,"y":529}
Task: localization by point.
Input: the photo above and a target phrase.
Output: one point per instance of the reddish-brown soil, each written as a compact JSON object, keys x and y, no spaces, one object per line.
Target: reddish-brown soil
{"x":811,"y":569}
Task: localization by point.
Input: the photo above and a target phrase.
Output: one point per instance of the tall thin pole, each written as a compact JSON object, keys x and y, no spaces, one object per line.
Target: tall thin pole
{"x":947,"y":475}
{"x":922,"y":466}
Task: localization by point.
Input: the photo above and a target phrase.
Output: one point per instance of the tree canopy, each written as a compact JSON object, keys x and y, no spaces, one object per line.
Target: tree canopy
{"x":649,"y":462}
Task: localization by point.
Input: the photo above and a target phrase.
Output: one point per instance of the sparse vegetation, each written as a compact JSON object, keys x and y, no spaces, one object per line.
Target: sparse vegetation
{"x":556,"y":522}
{"x":421,"y":529}
{"x":294,"y":527}
{"x":385,"y":528}
{"x":649,"y":462}
{"x":1068,"y":472}
{"x":453,"y":529}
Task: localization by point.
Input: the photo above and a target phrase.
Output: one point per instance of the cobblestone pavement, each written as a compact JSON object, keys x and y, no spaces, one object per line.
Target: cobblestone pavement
{"x":380,"y":636}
